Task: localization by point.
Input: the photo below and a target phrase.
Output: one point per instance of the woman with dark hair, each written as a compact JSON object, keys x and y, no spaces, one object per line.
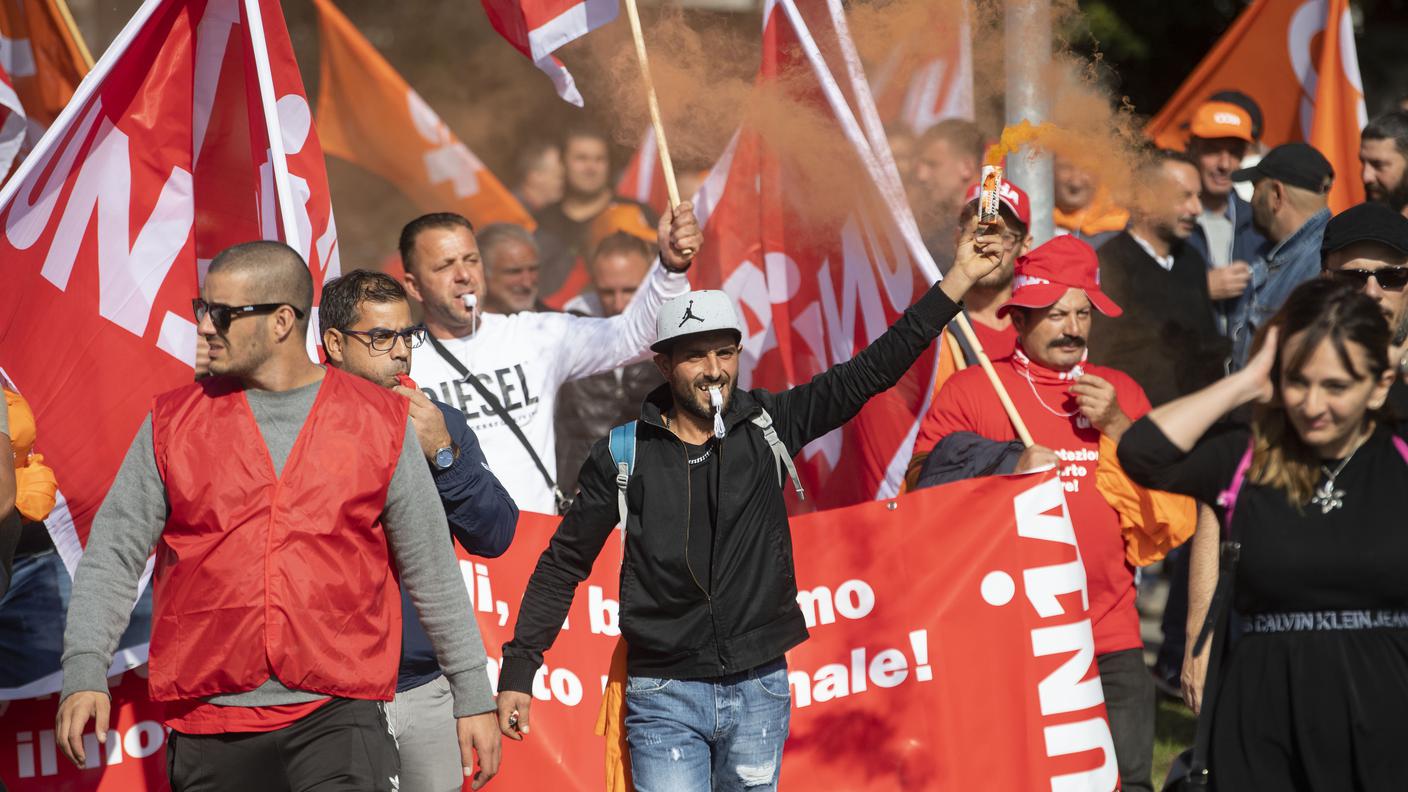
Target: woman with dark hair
{"x":1313,"y":695}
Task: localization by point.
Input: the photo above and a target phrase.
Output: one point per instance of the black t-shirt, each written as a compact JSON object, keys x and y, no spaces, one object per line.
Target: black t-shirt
{"x":703,"y":508}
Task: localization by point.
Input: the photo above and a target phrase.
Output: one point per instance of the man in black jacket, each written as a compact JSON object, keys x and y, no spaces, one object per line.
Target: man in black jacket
{"x":1166,"y":339}
{"x":708,"y":590}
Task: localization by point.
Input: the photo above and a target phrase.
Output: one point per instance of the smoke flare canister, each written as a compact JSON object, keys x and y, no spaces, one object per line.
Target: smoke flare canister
{"x":988,"y":198}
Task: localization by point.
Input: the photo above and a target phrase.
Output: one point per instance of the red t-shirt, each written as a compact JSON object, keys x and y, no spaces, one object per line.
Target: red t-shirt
{"x":968,"y":404}
{"x":996,"y":344}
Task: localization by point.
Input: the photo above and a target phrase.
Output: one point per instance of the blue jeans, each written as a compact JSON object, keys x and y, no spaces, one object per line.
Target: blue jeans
{"x":719,"y":734}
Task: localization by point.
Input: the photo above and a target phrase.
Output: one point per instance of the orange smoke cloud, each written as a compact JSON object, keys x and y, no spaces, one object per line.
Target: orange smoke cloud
{"x":1017,"y":136}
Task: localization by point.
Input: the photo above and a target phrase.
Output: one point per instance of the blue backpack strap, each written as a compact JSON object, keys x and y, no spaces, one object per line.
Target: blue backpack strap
{"x":623,"y":452}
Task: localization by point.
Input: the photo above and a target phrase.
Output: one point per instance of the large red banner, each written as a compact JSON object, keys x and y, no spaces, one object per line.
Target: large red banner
{"x":951,"y":654}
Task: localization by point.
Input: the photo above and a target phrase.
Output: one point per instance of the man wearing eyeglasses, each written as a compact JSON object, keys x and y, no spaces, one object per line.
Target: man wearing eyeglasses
{"x":283,"y":501}
{"x":365,"y":324}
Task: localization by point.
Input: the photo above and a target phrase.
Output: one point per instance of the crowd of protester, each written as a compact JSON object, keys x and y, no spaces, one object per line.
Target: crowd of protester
{"x":1222,"y":329}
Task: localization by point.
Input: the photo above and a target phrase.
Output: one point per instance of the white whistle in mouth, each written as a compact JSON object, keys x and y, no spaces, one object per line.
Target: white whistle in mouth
{"x":470,"y":301}
{"x":716,"y":400}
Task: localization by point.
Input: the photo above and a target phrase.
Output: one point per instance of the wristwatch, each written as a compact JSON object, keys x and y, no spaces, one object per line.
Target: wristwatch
{"x":445,"y":457}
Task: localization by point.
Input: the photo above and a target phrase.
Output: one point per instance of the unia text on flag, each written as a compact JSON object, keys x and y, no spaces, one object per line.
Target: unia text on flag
{"x":369,"y":116}
{"x":1298,"y":60}
{"x":191,"y":134}
{"x":44,"y":56}
{"x":537,"y":28}
{"x":803,"y":232}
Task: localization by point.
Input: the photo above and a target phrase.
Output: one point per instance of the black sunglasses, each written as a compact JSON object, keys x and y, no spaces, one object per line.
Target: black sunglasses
{"x":222,"y":315}
{"x":383,"y":340}
{"x":1390,"y":278}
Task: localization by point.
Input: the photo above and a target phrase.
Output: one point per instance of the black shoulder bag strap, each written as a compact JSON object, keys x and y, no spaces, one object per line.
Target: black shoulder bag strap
{"x":563,"y":502}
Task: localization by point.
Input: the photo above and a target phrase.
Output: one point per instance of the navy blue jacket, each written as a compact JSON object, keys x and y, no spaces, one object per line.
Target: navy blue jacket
{"x":1247,"y":245}
{"x":482,"y":517}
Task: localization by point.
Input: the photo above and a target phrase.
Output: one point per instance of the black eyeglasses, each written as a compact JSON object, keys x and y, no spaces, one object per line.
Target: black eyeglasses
{"x":383,"y":340}
{"x":222,"y":315}
{"x":1390,"y":278}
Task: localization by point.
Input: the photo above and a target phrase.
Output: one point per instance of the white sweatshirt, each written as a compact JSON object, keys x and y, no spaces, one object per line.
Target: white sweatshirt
{"x":522,"y":359}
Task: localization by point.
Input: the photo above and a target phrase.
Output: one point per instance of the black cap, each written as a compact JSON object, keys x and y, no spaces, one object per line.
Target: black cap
{"x":1296,"y":164}
{"x":1246,"y":103}
{"x":1366,"y":222}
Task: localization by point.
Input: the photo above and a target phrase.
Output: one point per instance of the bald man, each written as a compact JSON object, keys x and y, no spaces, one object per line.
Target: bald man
{"x":282,"y":500}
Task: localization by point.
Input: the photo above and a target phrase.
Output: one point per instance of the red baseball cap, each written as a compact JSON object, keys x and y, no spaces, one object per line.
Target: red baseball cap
{"x":1010,"y":196}
{"x":1042,"y":276}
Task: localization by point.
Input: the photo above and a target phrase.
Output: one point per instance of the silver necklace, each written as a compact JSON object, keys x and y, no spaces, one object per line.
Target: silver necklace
{"x":1327,"y":497}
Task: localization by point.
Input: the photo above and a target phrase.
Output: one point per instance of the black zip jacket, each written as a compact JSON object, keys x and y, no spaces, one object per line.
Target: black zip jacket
{"x":673,"y":628}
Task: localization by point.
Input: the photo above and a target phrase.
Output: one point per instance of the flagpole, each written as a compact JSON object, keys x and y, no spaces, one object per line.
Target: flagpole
{"x":67,"y":16}
{"x":884,"y":168}
{"x":661,"y":145}
{"x":272,"y":128}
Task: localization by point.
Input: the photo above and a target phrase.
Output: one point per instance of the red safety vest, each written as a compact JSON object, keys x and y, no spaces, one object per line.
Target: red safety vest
{"x":290,"y":575}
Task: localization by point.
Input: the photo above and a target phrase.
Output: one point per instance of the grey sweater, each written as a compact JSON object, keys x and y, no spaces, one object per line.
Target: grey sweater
{"x":130,"y":521}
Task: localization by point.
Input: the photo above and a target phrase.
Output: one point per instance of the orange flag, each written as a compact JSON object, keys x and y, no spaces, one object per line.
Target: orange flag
{"x":45,"y":57}
{"x":1297,"y":59}
{"x":369,"y":116}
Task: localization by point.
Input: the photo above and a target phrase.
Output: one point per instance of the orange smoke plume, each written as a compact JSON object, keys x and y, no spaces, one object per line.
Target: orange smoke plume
{"x":1014,"y":137}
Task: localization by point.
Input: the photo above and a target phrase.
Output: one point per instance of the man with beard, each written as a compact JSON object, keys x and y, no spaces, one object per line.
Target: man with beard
{"x":1166,"y":339}
{"x":1067,"y":405}
{"x":511,"y":268}
{"x":709,"y":600}
{"x":1383,"y":151}
{"x":563,"y":227}
{"x":1290,"y":207}
{"x":993,"y":331}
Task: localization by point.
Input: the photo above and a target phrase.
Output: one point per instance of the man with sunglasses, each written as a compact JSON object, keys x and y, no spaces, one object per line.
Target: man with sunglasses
{"x":283,"y":501}
{"x":1367,"y":245}
{"x":365,"y":324}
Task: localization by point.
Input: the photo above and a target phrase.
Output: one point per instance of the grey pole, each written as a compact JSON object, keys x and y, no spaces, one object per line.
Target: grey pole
{"x":1028,"y":55}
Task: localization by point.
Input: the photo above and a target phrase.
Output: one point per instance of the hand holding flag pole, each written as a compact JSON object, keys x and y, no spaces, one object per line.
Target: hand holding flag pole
{"x":663,"y":146}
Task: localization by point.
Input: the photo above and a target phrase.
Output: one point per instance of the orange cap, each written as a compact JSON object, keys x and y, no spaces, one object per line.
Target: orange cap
{"x":1221,"y":120}
{"x":619,"y":216}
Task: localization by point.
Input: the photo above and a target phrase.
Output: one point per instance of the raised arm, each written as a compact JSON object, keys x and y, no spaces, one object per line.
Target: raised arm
{"x":833,"y":397}
{"x":596,"y":345}
{"x":1186,"y":419}
{"x":565,"y":563}
{"x":124,"y":533}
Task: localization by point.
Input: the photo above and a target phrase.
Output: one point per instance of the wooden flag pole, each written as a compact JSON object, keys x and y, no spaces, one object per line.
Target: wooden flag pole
{"x":74,"y":33}
{"x":661,"y":145}
{"x":972,"y":339}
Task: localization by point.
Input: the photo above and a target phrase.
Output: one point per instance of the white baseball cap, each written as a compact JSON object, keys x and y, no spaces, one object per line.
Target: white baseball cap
{"x":695,"y":312}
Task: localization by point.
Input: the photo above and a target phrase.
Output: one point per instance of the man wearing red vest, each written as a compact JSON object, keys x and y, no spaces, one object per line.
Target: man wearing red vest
{"x":282,"y":501}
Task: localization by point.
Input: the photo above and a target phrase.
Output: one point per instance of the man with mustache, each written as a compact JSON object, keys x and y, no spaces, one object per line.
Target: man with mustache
{"x":1067,"y":404}
{"x":708,"y":590}
{"x":1383,"y":153}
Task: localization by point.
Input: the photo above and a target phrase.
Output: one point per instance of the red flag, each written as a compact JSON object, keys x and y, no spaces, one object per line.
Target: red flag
{"x":927,"y":78}
{"x":1298,"y":61}
{"x":643,"y":180}
{"x":537,"y":28}
{"x":814,"y":292}
{"x":12,"y":122}
{"x":162,"y":158}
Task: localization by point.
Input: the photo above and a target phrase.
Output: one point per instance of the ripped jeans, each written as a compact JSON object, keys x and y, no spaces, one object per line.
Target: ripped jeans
{"x":722,"y":734}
